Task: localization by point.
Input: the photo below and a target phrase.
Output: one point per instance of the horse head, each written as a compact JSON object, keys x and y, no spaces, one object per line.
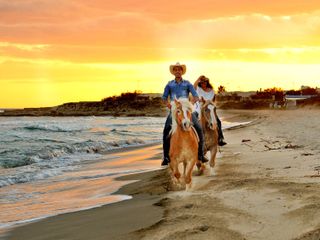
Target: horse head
{"x":208,"y":114}
{"x":181,"y":114}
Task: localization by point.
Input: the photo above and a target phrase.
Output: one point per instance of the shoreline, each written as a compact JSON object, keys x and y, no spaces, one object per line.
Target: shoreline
{"x":253,"y":176}
{"x":148,"y":153}
{"x":106,"y":221}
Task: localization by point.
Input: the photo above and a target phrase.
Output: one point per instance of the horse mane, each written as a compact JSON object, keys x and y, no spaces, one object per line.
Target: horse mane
{"x":186,"y":104}
{"x":206,"y":103}
{"x":203,"y":107}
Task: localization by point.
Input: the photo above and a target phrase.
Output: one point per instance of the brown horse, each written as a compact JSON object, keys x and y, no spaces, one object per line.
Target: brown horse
{"x":210,"y":130}
{"x":184,"y":140}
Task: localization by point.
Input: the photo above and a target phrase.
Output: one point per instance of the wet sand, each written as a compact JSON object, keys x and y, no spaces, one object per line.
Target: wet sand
{"x":266,"y":186}
{"x":107,"y":222}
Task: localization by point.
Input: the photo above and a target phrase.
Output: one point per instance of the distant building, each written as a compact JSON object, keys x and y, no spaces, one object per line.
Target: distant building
{"x":292,"y":100}
{"x":297,"y":97}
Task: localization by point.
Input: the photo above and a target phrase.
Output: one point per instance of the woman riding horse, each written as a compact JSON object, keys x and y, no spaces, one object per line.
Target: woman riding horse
{"x":205,"y":91}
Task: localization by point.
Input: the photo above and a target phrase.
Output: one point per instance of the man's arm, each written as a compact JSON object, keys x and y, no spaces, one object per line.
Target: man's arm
{"x":165,"y":96}
{"x":167,"y":103}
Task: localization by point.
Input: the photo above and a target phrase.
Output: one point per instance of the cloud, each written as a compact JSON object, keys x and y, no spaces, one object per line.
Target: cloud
{"x":124,"y":30}
{"x":65,"y":54}
{"x":40,"y":12}
{"x":139,"y":30}
{"x":247,"y":31}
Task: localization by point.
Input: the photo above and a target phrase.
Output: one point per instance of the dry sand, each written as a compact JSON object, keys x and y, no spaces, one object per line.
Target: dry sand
{"x":266,"y":186}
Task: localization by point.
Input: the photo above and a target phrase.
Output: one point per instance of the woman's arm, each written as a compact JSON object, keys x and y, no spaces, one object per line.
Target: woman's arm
{"x":195,"y":85}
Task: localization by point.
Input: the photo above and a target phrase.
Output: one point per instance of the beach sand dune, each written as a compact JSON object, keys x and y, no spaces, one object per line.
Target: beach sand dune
{"x":266,"y":186}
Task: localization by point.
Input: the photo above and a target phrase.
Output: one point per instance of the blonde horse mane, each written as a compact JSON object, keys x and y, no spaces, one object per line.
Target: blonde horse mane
{"x":186,"y":105}
{"x":206,"y":104}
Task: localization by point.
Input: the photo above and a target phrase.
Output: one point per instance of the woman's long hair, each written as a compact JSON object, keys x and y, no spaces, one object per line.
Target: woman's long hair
{"x":205,"y":79}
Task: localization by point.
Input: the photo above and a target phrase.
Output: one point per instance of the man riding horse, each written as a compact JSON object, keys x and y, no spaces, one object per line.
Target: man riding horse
{"x":175,"y":89}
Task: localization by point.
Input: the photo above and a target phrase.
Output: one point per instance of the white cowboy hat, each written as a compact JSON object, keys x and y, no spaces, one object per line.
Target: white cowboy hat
{"x":184,"y":68}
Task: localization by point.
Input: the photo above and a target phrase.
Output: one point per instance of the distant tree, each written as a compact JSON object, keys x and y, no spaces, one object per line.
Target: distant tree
{"x":293,"y":92}
{"x":128,"y":96}
{"x":269,"y":93}
{"x":303,"y":91}
{"x":309,"y":91}
{"x":221,"y":89}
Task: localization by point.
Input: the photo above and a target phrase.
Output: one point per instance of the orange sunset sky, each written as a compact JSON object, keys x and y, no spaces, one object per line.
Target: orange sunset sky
{"x":56,"y":51}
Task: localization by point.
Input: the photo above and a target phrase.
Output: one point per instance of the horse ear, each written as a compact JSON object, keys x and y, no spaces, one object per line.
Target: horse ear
{"x":176,"y":101}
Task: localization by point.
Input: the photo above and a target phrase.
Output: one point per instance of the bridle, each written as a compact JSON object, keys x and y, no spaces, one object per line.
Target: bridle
{"x":185,"y":125}
{"x":210,"y":107}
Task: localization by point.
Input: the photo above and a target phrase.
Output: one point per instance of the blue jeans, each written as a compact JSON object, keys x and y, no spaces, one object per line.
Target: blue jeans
{"x":220,"y":133}
{"x":166,"y":137}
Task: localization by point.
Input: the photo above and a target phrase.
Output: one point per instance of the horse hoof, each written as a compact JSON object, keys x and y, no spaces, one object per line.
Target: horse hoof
{"x":212,"y":172}
{"x":188,"y":186}
{"x":200,"y":172}
{"x":199,"y":165}
{"x":212,"y":164}
{"x":175,"y":181}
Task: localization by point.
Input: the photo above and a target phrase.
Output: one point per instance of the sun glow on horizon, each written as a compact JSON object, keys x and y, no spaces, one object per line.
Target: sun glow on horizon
{"x":131,"y":77}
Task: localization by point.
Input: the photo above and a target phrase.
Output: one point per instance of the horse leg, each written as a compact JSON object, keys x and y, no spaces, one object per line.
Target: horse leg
{"x":201,"y":167}
{"x":198,"y":165}
{"x":212,"y":162}
{"x":190,"y":166}
{"x":184,"y":168}
{"x":213,"y":156}
{"x":175,"y":168}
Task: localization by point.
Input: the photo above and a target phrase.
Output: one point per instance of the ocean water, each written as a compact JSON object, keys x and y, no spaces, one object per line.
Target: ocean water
{"x":54,"y":165}
{"x":39,"y":148}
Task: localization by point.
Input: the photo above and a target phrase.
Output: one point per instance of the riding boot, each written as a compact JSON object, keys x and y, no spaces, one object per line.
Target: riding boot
{"x":198,"y":128}
{"x":166,"y":148}
{"x":166,"y":141}
{"x":221,"y":141}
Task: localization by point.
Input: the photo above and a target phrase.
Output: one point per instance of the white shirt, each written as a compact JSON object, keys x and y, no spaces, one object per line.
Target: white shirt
{"x":206,"y":96}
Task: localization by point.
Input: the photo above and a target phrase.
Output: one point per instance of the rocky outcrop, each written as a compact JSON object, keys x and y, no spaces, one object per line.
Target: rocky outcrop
{"x":128,"y":104}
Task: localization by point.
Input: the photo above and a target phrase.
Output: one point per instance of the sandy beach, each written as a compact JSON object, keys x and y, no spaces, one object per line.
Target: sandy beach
{"x":266,"y":186}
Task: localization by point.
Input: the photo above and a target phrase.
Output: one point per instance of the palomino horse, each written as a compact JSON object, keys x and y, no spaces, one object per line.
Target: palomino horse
{"x":184,"y":140}
{"x":210,"y":129}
